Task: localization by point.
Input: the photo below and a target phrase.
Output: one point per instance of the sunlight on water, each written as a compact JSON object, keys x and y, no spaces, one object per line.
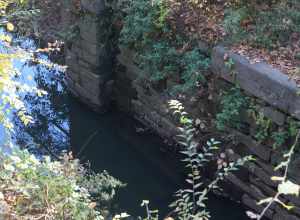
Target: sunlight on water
{"x":51,"y":126}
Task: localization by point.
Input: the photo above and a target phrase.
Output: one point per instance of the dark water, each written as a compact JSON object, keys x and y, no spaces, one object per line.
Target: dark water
{"x":109,"y":142}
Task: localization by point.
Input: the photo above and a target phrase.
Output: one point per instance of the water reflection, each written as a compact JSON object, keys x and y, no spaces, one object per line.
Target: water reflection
{"x":50,"y":131}
{"x":51,"y":124}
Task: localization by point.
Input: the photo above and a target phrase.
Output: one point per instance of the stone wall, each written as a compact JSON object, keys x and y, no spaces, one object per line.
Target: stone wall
{"x":89,"y":56}
{"x":90,"y":78}
{"x":278,"y":98}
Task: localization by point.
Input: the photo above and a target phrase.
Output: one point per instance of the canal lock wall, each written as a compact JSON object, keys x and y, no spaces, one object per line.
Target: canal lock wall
{"x":97,"y":77}
{"x":89,"y":56}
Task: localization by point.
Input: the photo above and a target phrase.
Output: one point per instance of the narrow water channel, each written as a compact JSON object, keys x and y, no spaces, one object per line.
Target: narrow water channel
{"x":109,"y":142}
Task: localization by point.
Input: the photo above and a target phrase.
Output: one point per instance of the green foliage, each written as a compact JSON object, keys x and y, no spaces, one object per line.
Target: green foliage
{"x":232,"y":23}
{"x":102,"y":187}
{"x":293,"y":127}
{"x":263,"y":127}
{"x":161,"y":53}
{"x":190,"y":203}
{"x":232,"y":103}
{"x":51,"y":189}
{"x":267,"y":130}
{"x":269,"y":24}
{"x":279,"y":137}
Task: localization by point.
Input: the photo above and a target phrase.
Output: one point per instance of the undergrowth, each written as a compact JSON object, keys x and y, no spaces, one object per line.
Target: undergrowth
{"x":47,"y":189}
{"x":267,"y":24}
{"x":161,"y":53}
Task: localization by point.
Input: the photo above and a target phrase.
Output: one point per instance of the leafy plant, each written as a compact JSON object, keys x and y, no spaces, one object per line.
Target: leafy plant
{"x":190,"y":203}
{"x":161,"y":52}
{"x":267,"y":24}
{"x":232,"y":23}
{"x":51,"y":189}
{"x":102,"y":187}
{"x":263,"y":127}
{"x":279,"y":137}
{"x":232,"y":103}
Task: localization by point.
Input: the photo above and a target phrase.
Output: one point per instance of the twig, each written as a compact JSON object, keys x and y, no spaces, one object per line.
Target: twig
{"x":275,"y":198}
{"x":87,"y":142}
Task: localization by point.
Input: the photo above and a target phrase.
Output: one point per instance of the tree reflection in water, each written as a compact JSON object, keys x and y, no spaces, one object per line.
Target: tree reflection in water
{"x":50,"y":131}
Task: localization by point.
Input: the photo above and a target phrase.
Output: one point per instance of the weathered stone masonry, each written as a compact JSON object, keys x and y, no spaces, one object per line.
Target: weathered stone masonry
{"x":90,"y":78}
{"x":89,"y":58}
{"x":279,"y":100}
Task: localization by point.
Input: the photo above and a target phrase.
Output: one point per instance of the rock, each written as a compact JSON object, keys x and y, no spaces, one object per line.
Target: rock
{"x":274,"y":115}
{"x":260,"y":80}
{"x":284,"y":216}
{"x":251,"y":203}
{"x":261,"y":174}
{"x":253,"y":147}
{"x":247,"y":188}
{"x":89,"y":29}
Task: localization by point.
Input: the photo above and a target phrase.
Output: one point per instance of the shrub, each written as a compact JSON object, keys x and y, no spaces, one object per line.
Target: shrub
{"x":161,"y":52}
{"x":48,"y":189}
{"x":267,"y":24}
{"x":232,"y":103}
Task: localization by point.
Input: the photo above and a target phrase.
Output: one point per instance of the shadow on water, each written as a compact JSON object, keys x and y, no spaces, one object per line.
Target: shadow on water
{"x":109,"y":142}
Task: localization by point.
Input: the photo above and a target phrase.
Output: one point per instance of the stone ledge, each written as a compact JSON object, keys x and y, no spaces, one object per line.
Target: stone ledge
{"x":259,"y":80}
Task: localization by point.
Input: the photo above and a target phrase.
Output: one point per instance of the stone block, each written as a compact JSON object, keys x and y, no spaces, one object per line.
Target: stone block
{"x":75,"y":77}
{"x":294,"y":168}
{"x":89,"y":29}
{"x":252,"y":203}
{"x":260,"y":80}
{"x":84,"y":93}
{"x":263,"y":187}
{"x":90,"y":82}
{"x":93,"y":6}
{"x":261,"y":174}
{"x":254,"y":147}
{"x":71,"y":58}
{"x":284,"y":216}
{"x":274,"y":115}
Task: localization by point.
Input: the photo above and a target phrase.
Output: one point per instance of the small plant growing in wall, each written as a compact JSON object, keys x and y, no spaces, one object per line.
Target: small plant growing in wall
{"x":232,"y":103}
{"x":190,"y":202}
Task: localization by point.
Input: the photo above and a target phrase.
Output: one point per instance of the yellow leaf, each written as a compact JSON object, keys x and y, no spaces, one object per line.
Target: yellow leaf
{"x":10,"y":27}
{"x":289,"y":188}
{"x":5,"y":38}
{"x":288,"y":207}
{"x":277,"y":178}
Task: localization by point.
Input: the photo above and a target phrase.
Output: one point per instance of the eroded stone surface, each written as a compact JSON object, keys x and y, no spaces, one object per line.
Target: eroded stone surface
{"x":150,"y":106}
{"x":89,"y":75}
{"x":259,"y":79}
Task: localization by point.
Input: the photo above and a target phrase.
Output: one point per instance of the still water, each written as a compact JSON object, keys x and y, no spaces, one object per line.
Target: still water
{"x":108,"y":142}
